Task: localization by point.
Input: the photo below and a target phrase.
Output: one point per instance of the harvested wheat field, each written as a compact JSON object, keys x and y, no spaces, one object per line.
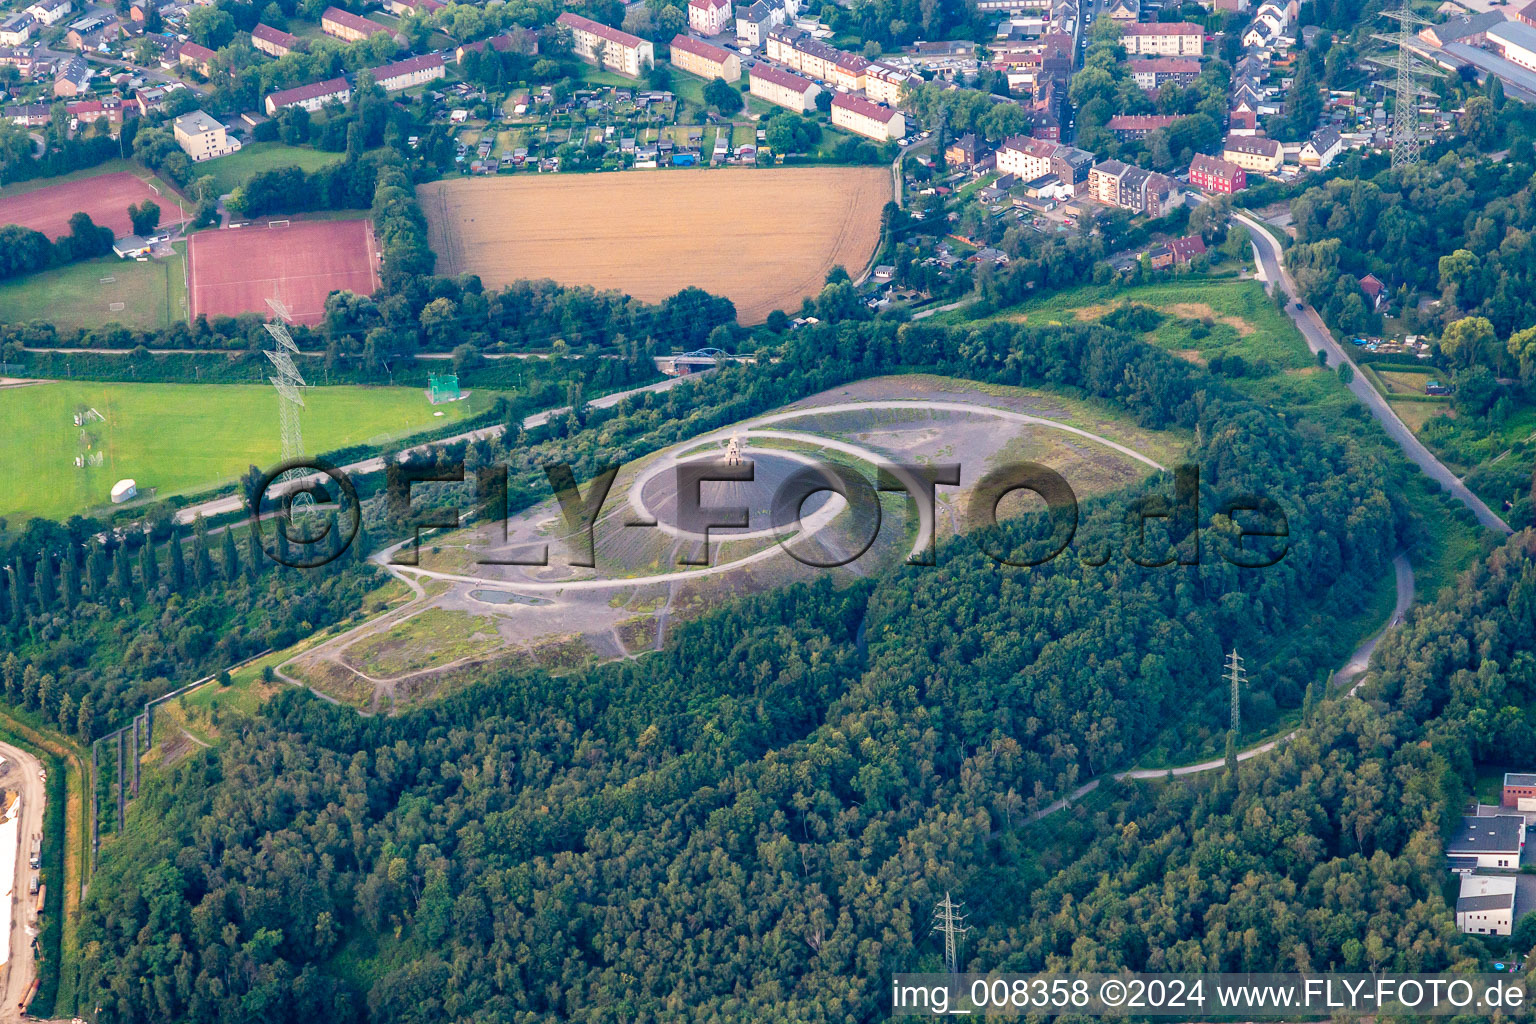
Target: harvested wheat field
{"x":765,"y":239}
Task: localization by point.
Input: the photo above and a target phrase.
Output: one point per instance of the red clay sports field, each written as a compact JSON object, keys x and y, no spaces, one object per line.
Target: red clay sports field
{"x":105,"y":197}
{"x":236,"y":270}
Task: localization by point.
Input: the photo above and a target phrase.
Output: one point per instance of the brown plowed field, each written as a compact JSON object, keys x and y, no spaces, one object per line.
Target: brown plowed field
{"x":765,"y":239}
{"x":236,"y":270}
{"x":105,"y":197}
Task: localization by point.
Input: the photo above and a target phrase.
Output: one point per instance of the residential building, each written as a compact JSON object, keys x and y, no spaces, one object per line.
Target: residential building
{"x":1029,"y":158}
{"x":17,"y":29}
{"x":606,"y":47}
{"x":1253,"y":153}
{"x":20,"y":59}
{"x":1376,"y":295}
{"x":1515,"y":42}
{"x":272,"y":41}
{"x":513,"y":40}
{"x":1186,"y":248}
{"x":410,"y":72}
{"x":1115,"y":183}
{"x":1519,"y":787}
{"x":782,"y":87}
{"x":700,"y":58}
{"x":1486,"y":904}
{"x":310,"y":97}
{"x":710,"y":17}
{"x":1071,"y":166}
{"x":150,"y":100}
{"x":858,"y":115}
{"x":29,"y":115}
{"x":963,"y":152}
{"x":202,"y":137}
{"x":109,"y":109}
{"x":884,"y":82}
{"x":196,"y":56}
{"x":72,"y":78}
{"x":1527,"y":14}
{"x":90,"y":32}
{"x":1126,"y":127}
{"x":1320,"y":148}
{"x":1167,"y":39}
{"x":406,"y":8}
{"x":1127,"y":12}
{"x":50,"y":12}
{"x":753,"y":23}
{"x":1151,"y":72}
{"x":810,"y":56}
{"x":348,"y":26}
{"x":1211,"y":174}
{"x":1494,"y":841}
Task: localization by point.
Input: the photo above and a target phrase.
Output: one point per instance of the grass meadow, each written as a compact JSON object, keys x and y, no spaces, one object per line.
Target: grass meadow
{"x":175,"y":438}
{"x":152,"y":295}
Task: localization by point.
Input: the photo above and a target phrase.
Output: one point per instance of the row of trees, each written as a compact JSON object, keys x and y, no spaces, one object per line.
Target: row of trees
{"x":25,"y":251}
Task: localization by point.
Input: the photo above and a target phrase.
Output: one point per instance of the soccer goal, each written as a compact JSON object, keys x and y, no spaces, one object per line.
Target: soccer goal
{"x":277,"y":223}
{"x":443,"y":387}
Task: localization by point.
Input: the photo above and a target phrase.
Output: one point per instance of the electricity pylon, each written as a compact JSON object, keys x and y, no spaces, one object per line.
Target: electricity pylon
{"x":948,"y":920}
{"x":1236,"y":676}
{"x":289,"y":398}
{"x":1406,"y":143}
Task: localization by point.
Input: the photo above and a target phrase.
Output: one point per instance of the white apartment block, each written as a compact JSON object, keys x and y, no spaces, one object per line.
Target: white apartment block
{"x":202,"y":137}
{"x":1164,"y":39}
{"x":51,"y":12}
{"x":606,"y":47}
{"x":883,"y":83}
{"x":1027,"y":157}
{"x":409,"y":72}
{"x":856,"y":114}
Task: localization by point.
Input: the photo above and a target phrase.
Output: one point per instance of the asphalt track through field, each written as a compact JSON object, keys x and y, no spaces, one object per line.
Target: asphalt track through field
{"x":1319,"y":338}
{"x":23,"y":774}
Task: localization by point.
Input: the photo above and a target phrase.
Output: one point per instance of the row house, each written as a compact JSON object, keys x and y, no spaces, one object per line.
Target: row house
{"x":700,"y":58}
{"x":412,"y":71}
{"x":91,"y":111}
{"x":596,"y":43}
{"x":858,"y":115}
{"x":1114,"y":183}
{"x":18,"y":58}
{"x":1217,"y":176}
{"x":1166,"y":39}
{"x":72,"y":78}
{"x":29,"y":115}
{"x":1129,"y":127}
{"x":801,"y":52}
{"x":710,"y":17}
{"x":1151,"y":72}
{"x":347,"y":26}
{"x":782,"y":88}
{"x":311,"y":97}
{"x":274,"y":42}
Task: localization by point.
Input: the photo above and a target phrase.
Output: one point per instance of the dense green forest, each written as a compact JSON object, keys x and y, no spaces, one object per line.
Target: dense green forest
{"x":655,"y":837}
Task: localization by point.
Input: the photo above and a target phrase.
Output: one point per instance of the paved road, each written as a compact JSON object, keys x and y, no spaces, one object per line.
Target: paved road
{"x":1351,"y":669}
{"x":233,"y":503}
{"x":21,"y":772}
{"x":1319,"y":338}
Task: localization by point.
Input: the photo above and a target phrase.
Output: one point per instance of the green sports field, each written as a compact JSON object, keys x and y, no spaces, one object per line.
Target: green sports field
{"x":230,"y":171}
{"x":180,"y":437}
{"x":152,"y":295}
